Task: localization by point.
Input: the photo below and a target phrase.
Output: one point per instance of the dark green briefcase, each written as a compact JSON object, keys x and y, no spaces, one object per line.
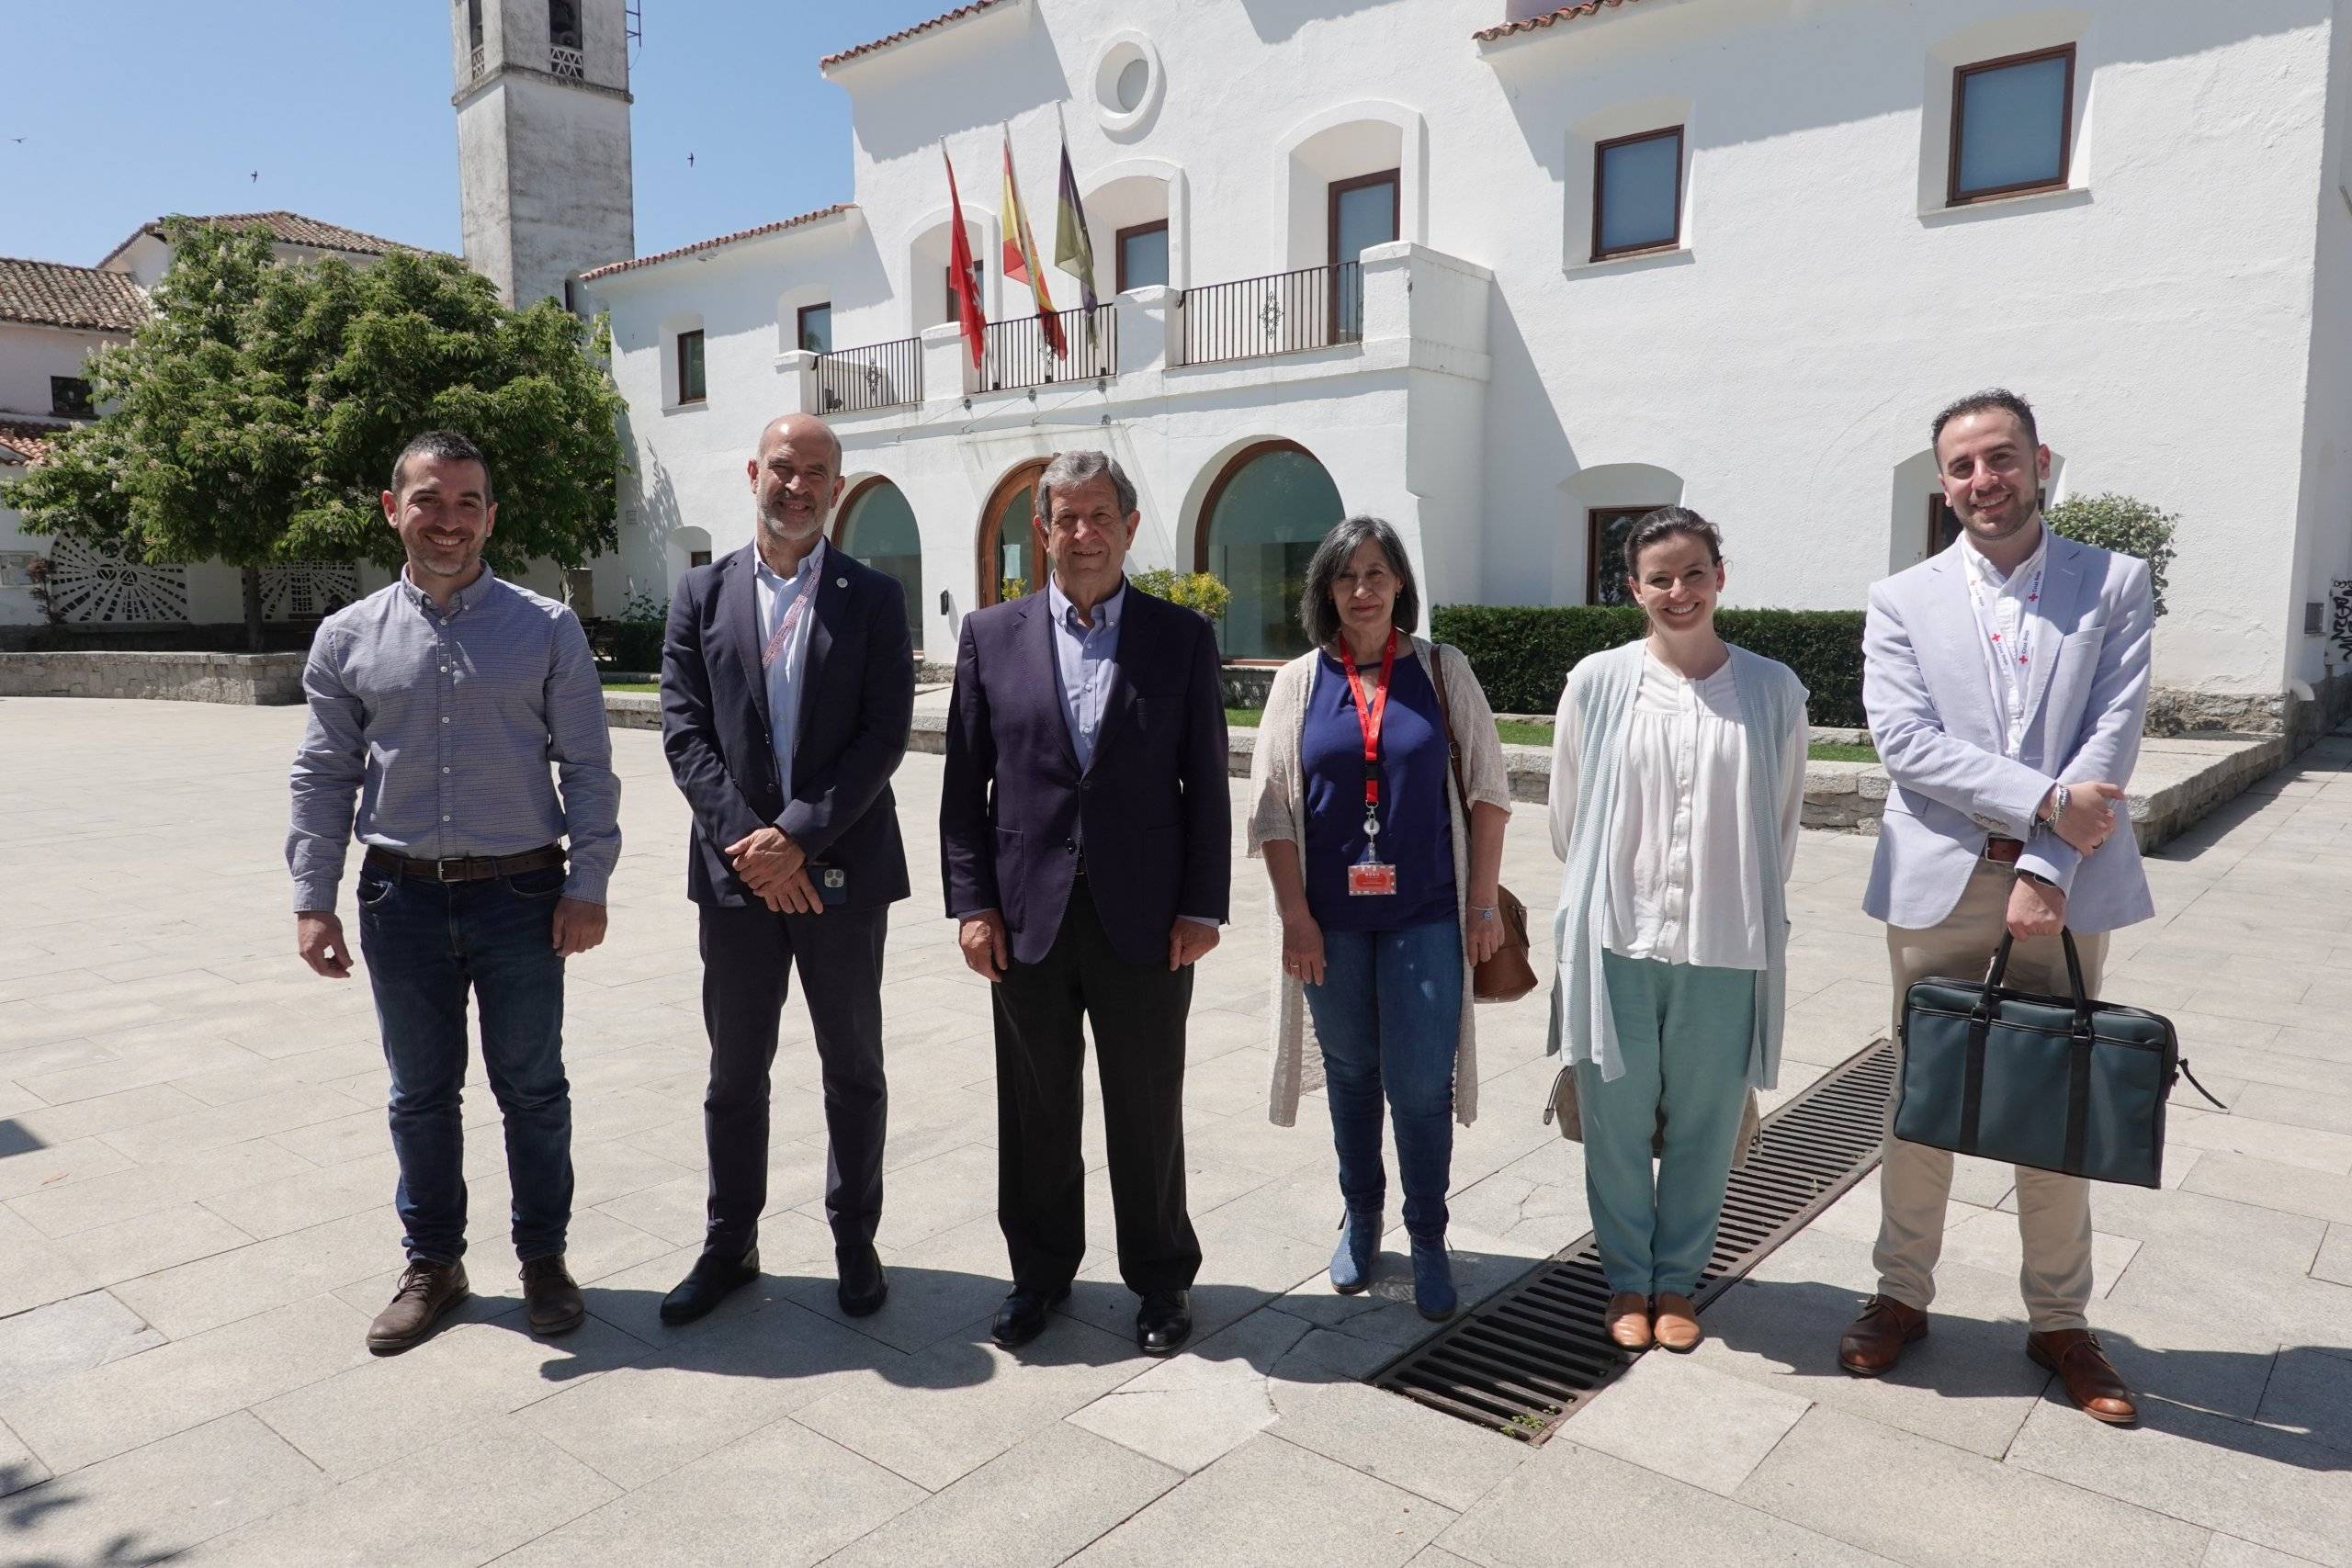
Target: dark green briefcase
{"x":2057,"y":1083}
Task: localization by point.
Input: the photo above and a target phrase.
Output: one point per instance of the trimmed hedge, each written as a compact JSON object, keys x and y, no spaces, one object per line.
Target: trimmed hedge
{"x":1522,"y":654}
{"x":627,"y":645}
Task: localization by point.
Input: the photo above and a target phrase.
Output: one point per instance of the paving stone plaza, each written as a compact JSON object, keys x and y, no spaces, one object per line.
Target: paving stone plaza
{"x":195,"y":1225}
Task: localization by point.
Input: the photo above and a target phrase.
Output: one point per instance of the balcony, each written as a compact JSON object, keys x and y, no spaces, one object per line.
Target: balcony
{"x":569,"y":64}
{"x":878,"y":375}
{"x":1283,"y":313}
{"x":1019,"y":354}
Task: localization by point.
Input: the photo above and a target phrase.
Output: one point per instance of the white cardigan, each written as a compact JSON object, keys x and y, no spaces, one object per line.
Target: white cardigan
{"x":1278,"y":810}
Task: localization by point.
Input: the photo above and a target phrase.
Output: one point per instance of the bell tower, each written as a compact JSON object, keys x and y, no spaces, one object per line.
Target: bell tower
{"x":543,"y":139}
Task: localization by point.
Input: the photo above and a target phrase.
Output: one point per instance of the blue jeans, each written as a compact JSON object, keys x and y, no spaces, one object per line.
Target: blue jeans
{"x":1388,"y":1014}
{"x":427,"y":946}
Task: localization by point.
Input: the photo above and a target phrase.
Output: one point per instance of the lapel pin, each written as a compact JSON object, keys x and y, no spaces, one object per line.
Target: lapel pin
{"x":841,"y":582}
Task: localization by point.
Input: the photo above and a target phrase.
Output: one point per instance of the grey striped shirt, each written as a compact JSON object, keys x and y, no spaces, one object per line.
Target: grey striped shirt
{"x":443,"y":729}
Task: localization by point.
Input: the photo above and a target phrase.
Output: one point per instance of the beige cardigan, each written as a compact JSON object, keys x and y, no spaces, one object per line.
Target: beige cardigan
{"x":1278,"y":810}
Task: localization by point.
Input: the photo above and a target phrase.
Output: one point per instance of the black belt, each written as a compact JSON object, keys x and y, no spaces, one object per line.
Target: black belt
{"x":467,"y":868}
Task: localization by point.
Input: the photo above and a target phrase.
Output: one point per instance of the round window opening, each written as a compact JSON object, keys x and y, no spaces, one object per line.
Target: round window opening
{"x":1134,"y":81}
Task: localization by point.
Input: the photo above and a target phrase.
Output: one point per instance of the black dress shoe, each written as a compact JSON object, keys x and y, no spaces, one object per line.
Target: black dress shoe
{"x":863,"y":1288}
{"x":711,"y":1281}
{"x":1164,"y":1322}
{"x":1022,"y":1316}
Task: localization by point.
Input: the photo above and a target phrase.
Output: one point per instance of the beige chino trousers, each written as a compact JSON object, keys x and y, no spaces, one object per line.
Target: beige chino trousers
{"x":2054,"y":1211}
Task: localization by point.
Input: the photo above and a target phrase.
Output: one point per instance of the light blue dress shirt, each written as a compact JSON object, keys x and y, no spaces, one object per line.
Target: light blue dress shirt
{"x":440,"y":729}
{"x":1084,"y":658}
{"x":785,"y":675}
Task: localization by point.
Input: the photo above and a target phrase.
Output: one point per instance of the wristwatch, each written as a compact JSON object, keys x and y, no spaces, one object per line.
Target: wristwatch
{"x":2035,"y":878}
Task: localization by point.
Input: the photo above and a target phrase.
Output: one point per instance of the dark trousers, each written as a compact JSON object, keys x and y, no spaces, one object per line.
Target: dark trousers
{"x":431,"y":947}
{"x":1137,"y":1014}
{"x":748,"y":955}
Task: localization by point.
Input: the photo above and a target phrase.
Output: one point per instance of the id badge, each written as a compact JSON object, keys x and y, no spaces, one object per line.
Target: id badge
{"x":1372,"y":879}
{"x":832,"y":885}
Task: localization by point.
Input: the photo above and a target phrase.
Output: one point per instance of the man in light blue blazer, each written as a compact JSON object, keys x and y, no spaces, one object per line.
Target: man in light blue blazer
{"x":2005,"y":681}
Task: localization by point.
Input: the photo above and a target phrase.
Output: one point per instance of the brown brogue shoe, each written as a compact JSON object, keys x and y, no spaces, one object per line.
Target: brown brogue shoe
{"x":1677,"y":1324}
{"x":2091,"y":1380}
{"x":551,"y":1296}
{"x":1873,"y":1342}
{"x":1627,"y":1319}
{"x":425,"y":1295}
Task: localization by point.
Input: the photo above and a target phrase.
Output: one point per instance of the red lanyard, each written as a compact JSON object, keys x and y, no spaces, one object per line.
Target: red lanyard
{"x":1369,"y":714}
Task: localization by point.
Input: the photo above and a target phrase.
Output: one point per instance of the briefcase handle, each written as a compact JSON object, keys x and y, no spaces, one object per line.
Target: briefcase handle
{"x":1999,"y":969}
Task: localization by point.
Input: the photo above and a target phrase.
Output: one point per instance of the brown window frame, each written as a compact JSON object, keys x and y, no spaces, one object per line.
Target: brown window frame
{"x":800,"y":325}
{"x":1938,"y":508}
{"x":1119,"y":248}
{"x":1596,"y":524}
{"x":1393,"y":178}
{"x":1953,"y":195}
{"x":1600,"y":150}
{"x":695,"y":335}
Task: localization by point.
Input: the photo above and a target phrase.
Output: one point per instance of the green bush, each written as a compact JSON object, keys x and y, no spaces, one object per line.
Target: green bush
{"x":630,"y":645}
{"x":1198,"y":591}
{"x":2126,"y":526}
{"x":1524,"y":654}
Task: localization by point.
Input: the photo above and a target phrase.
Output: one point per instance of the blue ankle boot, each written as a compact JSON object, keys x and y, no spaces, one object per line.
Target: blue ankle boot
{"x":1359,"y":1242}
{"x":1432,"y":1279}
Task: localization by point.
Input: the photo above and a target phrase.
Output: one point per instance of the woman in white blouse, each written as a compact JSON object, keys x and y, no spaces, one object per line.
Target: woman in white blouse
{"x":1678,"y":786}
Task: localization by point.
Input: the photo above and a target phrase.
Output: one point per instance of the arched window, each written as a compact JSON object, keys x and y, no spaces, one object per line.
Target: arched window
{"x":1260,"y":524}
{"x":1013,"y":537}
{"x":878,"y":526}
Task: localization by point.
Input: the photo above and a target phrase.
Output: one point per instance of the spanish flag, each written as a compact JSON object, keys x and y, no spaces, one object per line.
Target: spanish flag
{"x":1021,"y":263}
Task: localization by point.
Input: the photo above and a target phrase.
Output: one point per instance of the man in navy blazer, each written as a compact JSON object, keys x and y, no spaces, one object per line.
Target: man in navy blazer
{"x":1086,"y":839}
{"x":787,"y":692}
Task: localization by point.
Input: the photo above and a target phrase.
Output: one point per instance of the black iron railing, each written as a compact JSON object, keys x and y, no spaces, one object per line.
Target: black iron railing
{"x":880,"y":375}
{"x":1019,"y":354}
{"x":1285,"y":312}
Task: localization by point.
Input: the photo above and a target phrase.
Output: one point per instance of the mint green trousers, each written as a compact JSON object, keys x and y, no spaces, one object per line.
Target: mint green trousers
{"x":1683,"y":1032}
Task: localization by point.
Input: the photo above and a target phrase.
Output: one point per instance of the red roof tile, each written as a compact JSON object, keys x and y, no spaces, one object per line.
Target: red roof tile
{"x":609,"y":268}
{"x":31,"y":440}
{"x":57,"y":294}
{"x":1549,"y":18}
{"x":882,"y":43}
{"x":290,"y":228}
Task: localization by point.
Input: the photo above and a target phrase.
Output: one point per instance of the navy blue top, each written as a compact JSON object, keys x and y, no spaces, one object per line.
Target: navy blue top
{"x":1416,"y":833}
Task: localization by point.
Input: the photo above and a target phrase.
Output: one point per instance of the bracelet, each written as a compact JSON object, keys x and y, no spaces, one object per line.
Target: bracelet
{"x":2058,"y":798}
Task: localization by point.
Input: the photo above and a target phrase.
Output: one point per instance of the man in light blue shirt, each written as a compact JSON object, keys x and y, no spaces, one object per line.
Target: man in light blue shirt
{"x":436,"y":705}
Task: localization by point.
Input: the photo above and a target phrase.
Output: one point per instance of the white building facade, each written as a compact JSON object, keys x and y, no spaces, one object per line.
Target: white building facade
{"x":1502,"y":277}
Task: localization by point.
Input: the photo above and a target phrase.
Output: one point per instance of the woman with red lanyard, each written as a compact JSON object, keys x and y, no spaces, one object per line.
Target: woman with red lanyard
{"x":1384,"y":884}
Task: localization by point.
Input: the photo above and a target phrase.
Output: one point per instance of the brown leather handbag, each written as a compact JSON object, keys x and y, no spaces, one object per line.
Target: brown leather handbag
{"x":1507,"y":976}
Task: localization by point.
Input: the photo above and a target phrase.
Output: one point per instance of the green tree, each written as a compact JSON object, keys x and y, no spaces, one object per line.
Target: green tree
{"x":2125,"y":525}
{"x":254,"y":417}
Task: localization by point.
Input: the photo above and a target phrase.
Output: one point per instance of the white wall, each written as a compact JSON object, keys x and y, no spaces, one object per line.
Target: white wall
{"x":1782,"y":366}
{"x":30,"y":355}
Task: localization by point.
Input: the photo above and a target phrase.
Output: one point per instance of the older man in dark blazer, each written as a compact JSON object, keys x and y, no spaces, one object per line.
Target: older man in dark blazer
{"x":787,"y":692}
{"x":1086,"y":833}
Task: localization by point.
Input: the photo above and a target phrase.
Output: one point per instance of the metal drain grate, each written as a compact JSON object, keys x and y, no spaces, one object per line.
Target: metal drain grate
{"x":1523,"y":1363}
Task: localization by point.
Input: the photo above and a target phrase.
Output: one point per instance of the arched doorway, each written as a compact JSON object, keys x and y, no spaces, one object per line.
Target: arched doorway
{"x":1012,"y":555}
{"x":878,"y":526}
{"x":1259,"y":524}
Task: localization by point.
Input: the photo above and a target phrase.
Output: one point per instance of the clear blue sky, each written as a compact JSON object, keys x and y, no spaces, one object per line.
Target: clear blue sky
{"x":132,"y":108}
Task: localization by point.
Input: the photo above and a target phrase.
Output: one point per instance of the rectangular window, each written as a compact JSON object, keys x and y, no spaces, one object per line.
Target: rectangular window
{"x":691,"y":386}
{"x":1637,"y":193}
{"x":2012,"y":123}
{"x":1943,"y":524}
{"x":815,"y":328}
{"x":1606,"y":528}
{"x":1143,"y":256}
{"x":698,"y":557}
{"x":69,"y":397}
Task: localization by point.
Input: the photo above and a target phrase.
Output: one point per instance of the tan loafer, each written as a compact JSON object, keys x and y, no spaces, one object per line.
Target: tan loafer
{"x":2091,"y":1380}
{"x":1677,"y":1324}
{"x":1874,"y":1342}
{"x":1627,"y":1319}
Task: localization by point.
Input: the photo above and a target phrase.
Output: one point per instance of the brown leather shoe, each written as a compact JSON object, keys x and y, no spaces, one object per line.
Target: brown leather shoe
{"x":551,"y":1297}
{"x":2092,"y":1382}
{"x":1873,"y":1342}
{"x":1677,"y":1324}
{"x":1627,"y":1318}
{"x":425,"y":1295}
